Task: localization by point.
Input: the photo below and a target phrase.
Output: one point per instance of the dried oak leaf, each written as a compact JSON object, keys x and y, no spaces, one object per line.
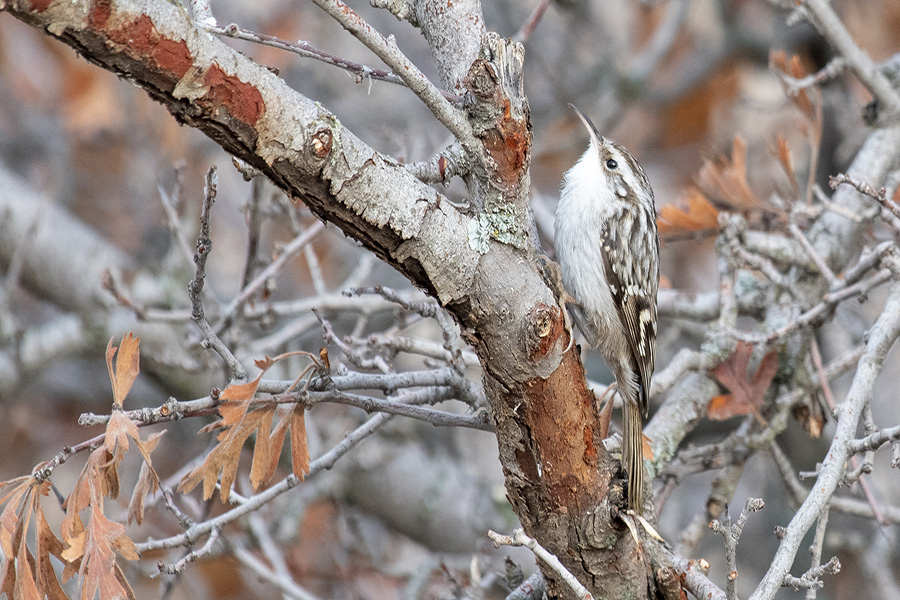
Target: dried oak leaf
{"x":792,"y":67}
{"x":236,"y":426}
{"x":747,"y":393}
{"x":726,"y":178}
{"x":127,"y":366}
{"x":97,"y":546}
{"x":699,"y":215}
{"x":783,"y":153}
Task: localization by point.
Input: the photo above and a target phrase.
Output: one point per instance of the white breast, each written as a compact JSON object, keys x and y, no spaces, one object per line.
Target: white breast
{"x":586,"y":202}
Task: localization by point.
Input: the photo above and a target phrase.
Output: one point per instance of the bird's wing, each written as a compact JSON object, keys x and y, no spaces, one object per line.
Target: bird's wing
{"x":632,"y":272}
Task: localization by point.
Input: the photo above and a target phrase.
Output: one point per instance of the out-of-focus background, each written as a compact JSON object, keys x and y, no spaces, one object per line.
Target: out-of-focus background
{"x":404,"y":514}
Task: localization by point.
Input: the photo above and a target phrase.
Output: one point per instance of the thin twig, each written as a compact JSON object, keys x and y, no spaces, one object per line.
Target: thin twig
{"x":178,"y":567}
{"x":829,"y":24}
{"x":387,"y":50}
{"x":731,"y":534}
{"x":816,"y":548}
{"x":832,"y":407}
{"x":307,"y":50}
{"x":326,"y":461}
{"x":195,"y":288}
{"x":531,"y":22}
{"x":812,"y":579}
{"x":864,"y":188}
{"x":881,"y":337}
{"x":287,"y":253}
{"x":518,"y":538}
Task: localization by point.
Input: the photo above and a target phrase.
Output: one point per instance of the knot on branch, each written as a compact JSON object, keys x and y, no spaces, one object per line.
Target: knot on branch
{"x":543,"y":329}
{"x":321,"y":143}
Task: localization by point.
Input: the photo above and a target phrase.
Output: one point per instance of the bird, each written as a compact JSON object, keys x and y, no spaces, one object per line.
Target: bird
{"x":607,"y":248}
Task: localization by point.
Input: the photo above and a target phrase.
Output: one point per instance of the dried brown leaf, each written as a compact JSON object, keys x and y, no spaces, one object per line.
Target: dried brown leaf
{"x":793,"y":67}
{"x":276,"y":444}
{"x":783,"y":152}
{"x":299,"y":447}
{"x":223,"y":459}
{"x":699,"y":215}
{"x":147,"y":483}
{"x":99,"y":544}
{"x":726,"y":178}
{"x":127,"y":366}
{"x":118,"y":429}
{"x":747,"y":393}
{"x":26,"y":587}
{"x":262,"y":451}
{"x":264,"y":363}
{"x":46,"y":545}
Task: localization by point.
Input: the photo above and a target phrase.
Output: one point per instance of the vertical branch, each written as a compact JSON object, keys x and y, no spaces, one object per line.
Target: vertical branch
{"x":195,"y":287}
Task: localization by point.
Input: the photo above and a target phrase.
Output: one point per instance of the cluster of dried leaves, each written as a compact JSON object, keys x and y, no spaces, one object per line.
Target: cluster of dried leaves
{"x":90,"y":548}
{"x":722,"y":185}
{"x":89,"y":542}
{"x":238,"y":423}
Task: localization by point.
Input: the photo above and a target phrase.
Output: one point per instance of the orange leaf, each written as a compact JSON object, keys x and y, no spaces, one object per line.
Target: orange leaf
{"x":783,"y":152}
{"x":726,"y":179}
{"x":127,"y":366}
{"x":645,"y":447}
{"x":223,"y":459}
{"x":299,"y":447}
{"x":46,"y":544}
{"x":264,"y":363}
{"x":75,"y":548}
{"x":700,"y":215}
{"x":26,"y":588}
{"x":262,"y":451}
{"x":118,"y":430}
{"x":778,"y":61}
{"x":747,"y":393}
{"x":100,"y":542}
{"x":241,"y":391}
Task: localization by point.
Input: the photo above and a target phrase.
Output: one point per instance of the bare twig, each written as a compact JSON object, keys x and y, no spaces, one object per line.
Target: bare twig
{"x":276,"y":265}
{"x":816,"y":548}
{"x":813,"y":255}
{"x":307,"y":50}
{"x":693,"y":573}
{"x":387,"y":50}
{"x":449,"y":162}
{"x":731,"y":534}
{"x":178,"y":567}
{"x":531,"y":22}
{"x":195,"y":288}
{"x":326,"y":461}
{"x":285,"y":584}
{"x":864,"y":188}
{"x":823,"y":17}
{"x":518,"y":538}
{"x":857,"y":468}
{"x":796,"y":85}
{"x":812,"y":579}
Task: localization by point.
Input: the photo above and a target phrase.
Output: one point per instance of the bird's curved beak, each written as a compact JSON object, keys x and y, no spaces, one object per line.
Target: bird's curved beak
{"x":596,"y":138}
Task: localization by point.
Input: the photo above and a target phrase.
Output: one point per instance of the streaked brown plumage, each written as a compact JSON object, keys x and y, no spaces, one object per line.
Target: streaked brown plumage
{"x":608,"y":251}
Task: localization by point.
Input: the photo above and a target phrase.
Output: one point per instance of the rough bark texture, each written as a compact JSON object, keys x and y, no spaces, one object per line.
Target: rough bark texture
{"x":558,"y":473}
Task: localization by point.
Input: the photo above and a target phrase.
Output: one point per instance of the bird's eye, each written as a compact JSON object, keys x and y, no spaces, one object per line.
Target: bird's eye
{"x":612,"y":165}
